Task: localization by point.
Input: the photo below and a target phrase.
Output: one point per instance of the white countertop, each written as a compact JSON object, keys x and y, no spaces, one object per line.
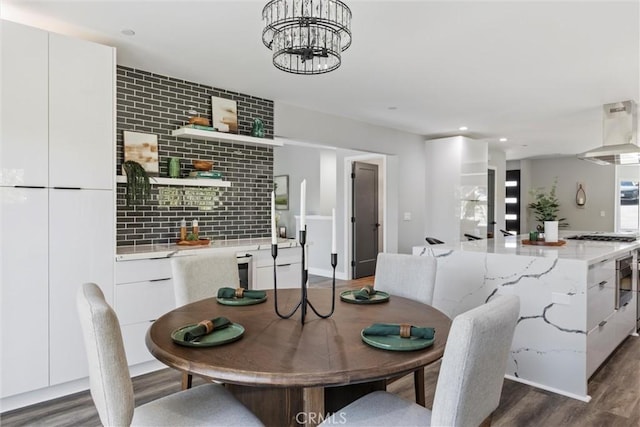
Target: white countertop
{"x":584,"y":250}
{"x":128,"y":253}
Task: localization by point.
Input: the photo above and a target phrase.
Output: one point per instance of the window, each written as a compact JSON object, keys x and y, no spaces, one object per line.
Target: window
{"x":627,"y":213}
{"x":512,"y":201}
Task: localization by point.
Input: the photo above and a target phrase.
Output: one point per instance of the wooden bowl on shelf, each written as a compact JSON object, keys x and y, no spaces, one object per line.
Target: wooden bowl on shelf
{"x":202,"y":121}
{"x":202,"y":165}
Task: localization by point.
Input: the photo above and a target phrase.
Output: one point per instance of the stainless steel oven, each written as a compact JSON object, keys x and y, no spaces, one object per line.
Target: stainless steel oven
{"x":624,"y":284}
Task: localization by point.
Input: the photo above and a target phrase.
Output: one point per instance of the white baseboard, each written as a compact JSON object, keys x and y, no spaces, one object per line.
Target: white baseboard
{"x":48,"y":393}
{"x":585,"y":398}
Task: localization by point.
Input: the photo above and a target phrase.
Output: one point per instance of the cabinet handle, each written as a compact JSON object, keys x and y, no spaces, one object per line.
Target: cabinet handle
{"x":601,"y":324}
{"x":601,"y":284}
{"x":29,"y":186}
{"x":67,"y":188}
{"x":626,"y":304}
{"x":284,"y":265}
{"x":160,"y":280}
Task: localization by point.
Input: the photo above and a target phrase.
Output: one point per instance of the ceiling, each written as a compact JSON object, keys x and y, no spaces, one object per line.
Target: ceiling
{"x":534,"y":72}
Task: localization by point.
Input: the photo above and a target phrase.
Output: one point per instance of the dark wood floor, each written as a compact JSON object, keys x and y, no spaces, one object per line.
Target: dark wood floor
{"x":615,"y":391}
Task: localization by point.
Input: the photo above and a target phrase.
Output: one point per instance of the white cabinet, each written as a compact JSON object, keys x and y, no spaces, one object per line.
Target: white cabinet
{"x":144,"y":292}
{"x":81,"y":96}
{"x":24,"y":345}
{"x":607,"y":327}
{"x":57,"y":131}
{"x":601,"y":284}
{"x":24,"y":112}
{"x":288,"y":268}
{"x":81,"y":242}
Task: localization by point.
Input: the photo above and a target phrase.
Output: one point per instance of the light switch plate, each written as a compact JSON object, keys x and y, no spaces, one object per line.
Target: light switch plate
{"x":407,"y":216}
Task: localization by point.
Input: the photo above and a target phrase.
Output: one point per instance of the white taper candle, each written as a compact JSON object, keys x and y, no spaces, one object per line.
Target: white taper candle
{"x":274,"y":236}
{"x":333,"y":231}
{"x":303,"y":195}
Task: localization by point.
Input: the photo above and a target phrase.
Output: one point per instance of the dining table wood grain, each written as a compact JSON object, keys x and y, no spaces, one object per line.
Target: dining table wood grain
{"x":293,"y":374}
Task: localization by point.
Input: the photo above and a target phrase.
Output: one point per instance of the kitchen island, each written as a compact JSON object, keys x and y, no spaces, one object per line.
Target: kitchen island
{"x":570,"y":321}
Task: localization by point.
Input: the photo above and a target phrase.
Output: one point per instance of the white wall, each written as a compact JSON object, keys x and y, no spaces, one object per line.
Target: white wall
{"x":405,"y":167}
{"x":598,"y":182}
{"x":299,"y":163}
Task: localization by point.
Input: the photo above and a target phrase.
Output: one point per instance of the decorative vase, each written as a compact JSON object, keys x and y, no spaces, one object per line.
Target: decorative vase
{"x":551,"y":231}
{"x":258,"y":128}
{"x":174,"y":167}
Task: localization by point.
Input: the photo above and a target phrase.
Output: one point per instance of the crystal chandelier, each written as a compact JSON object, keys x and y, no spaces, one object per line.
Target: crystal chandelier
{"x":306,"y":36}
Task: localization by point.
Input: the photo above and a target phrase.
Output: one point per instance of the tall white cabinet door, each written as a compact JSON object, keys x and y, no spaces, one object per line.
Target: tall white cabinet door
{"x":24,"y":296}
{"x":81,"y":114}
{"x":24,"y":113}
{"x":81,"y":242}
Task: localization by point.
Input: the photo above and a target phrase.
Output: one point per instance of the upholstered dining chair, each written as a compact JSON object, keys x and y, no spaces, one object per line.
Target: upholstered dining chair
{"x":412,"y":277}
{"x":470,"y":380}
{"x":112,"y":389}
{"x":200,"y":276}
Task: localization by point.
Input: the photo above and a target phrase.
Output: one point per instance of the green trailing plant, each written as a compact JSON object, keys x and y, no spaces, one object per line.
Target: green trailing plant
{"x":138,"y":186}
{"x":546,"y":205}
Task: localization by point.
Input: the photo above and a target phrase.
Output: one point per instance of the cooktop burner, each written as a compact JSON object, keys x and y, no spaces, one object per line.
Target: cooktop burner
{"x":603,"y":238}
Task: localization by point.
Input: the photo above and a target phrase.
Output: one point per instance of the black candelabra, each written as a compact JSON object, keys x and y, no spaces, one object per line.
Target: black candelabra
{"x":304,"y":300}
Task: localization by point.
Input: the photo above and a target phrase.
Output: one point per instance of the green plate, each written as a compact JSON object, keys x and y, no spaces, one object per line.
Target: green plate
{"x":379,"y":296}
{"x":231,"y":333}
{"x":241,"y":301}
{"x":395,"y":343}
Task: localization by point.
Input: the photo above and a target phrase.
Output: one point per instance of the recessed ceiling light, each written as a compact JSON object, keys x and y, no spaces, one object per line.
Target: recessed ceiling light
{"x":463,"y":128}
{"x":503,"y":139}
{"x":128,"y":32}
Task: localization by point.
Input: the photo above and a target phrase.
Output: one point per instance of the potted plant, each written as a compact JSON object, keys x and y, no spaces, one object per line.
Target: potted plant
{"x":138,"y":186}
{"x":546,"y":207}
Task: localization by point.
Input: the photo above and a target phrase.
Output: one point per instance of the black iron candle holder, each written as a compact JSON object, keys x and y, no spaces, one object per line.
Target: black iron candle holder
{"x":304,"y":300}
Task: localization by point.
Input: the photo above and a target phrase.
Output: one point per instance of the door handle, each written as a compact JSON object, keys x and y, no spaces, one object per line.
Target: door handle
{"x":601,"y":284}
{"x":377,"y":225}
{"x":601,"y":324}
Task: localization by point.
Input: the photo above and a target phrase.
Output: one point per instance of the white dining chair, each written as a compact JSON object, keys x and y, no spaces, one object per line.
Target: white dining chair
{"x":470,"y":380}
{"x":412,"y":277}
{"x":197,"y":277}
{"x":112,"y":389}
{"x":200,"y":276}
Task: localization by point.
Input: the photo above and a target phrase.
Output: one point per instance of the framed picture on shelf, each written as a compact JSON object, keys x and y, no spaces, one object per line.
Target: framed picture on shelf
{"x":281,"y":188}
{"x":142,"y":148}
{"x":225,"y":114}
{"x":282,"y":232}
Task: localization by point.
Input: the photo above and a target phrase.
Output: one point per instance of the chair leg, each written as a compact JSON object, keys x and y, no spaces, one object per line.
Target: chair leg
{"x":186,"y":380}
{"x":418,"y":380}
{"x":487,"y":421}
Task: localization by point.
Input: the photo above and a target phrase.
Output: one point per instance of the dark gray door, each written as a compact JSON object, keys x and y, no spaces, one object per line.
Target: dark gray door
{"x":364,"y":178}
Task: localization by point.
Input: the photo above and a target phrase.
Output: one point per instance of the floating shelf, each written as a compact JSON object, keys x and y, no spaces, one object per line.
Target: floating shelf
{"x":222,"y":136}
{"x":182,"y":181}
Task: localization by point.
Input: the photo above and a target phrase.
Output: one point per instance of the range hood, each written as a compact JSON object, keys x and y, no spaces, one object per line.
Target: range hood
{"x":619,"y":136}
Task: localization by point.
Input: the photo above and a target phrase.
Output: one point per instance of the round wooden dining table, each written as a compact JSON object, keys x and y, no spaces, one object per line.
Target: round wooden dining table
{"x":288,"y":373}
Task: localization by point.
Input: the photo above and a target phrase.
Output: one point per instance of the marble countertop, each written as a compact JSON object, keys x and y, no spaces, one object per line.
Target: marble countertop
{"x":128,"y":253}
{"x":584,"y":250}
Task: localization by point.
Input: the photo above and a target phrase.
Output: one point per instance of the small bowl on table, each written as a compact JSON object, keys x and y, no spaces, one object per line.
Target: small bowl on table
{"x":202,"y":165}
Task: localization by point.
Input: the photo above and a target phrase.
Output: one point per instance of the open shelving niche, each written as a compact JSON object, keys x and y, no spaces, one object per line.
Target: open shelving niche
{"x":207,"y":135}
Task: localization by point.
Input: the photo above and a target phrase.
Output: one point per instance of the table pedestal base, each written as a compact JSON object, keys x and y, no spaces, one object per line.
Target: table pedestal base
{"x":299,"y":406}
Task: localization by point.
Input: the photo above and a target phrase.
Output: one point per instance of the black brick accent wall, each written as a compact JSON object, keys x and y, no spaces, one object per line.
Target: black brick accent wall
{"x":151,"y":103}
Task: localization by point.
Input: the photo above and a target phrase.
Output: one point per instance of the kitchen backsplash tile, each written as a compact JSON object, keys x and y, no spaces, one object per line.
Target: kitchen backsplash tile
{"x":152,"y":103}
